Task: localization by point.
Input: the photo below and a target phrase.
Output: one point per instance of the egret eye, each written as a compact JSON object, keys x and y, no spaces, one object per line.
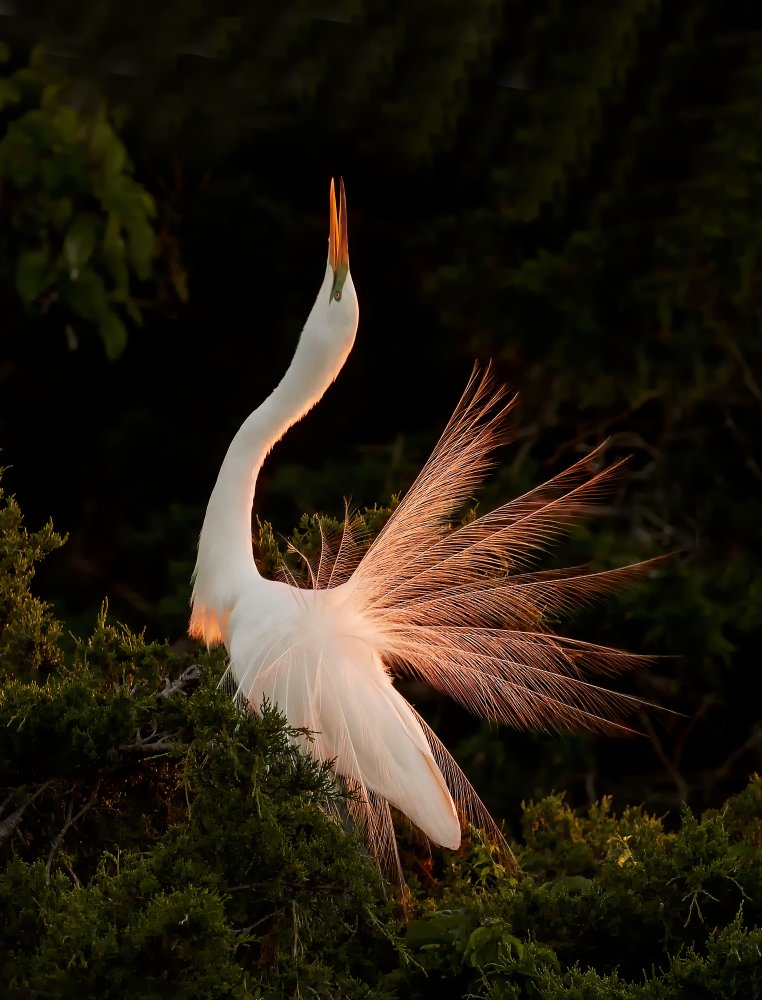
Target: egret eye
{"x":337,"y":295}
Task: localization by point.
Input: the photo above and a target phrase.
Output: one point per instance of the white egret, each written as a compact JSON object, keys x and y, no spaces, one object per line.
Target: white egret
{"x":461,"y":609}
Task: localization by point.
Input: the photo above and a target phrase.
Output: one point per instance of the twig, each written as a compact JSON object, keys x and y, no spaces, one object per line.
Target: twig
{"x":680,"y":783}
{"x":250,"y":927}
{"x":598,"y":429}
{"x":722,"y":770}
{"x":158,"y":746}
{"x":70,"y":821}
{"x":73,"y":874}
{"x":746,"y":372}
{"x":705,"y":704}
{"x":31,"y":994}
{"x":126,"y":593}
{"x":751,"y":462}
{"x":9,"y":825}
{"x":171,"y":688}
{"x":590,"y":786}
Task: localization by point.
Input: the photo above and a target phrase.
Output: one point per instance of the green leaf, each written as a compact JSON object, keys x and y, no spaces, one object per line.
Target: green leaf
{"x":8,"y":93}
{"x":142,"y":242}
{"x":490,"y":942}
{"x":51,"y":95}
{"x":568,"y":883}
{"x":134,"y":312}
{"x":112,"y":237}
{"x":34,"y":274}
{"x":80,"y":243}
{"x":69,"y":127}
{"x":114,"y":335}
{"x":86,"y":294}
{"x":18,"y":161}
{"x":60,"y":211}
{"x":121,"y":275}
{"x":179,"y":278}
{"x":113,"y":154}
{"x":444,"y":927}
{"x":148,"y":203}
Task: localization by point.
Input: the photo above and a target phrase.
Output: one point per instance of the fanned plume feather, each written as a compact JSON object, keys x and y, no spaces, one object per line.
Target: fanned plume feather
{"x":464,"y":611}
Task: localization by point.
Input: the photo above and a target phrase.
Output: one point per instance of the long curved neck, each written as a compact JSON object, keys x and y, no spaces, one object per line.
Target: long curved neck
{"x":225,"y":557}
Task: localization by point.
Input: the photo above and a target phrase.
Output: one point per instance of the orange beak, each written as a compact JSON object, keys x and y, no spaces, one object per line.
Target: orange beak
{"x":338,"y":245}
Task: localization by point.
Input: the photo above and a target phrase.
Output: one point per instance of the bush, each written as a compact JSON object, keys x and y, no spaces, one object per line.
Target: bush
{"x":155,"y":841}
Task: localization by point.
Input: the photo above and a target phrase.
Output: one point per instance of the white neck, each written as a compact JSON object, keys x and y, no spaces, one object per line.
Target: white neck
{"x":225,"y":562}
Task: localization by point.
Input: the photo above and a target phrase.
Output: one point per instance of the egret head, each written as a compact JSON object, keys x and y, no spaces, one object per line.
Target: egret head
{"x":338,"y":246}
{"x":333,"y":321}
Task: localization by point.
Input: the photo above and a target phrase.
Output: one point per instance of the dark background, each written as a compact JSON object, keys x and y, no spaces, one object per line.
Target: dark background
{"x":571,"y":189}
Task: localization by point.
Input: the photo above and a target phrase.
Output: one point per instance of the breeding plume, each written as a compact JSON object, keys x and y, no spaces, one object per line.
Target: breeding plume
{"x":461,"y":608}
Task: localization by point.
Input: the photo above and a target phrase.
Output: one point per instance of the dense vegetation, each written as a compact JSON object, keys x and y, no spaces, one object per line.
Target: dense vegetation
{"x":156,"y":842}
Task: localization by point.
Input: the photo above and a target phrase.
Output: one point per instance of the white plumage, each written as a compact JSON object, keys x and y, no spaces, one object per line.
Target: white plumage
{"x":463,"y":610}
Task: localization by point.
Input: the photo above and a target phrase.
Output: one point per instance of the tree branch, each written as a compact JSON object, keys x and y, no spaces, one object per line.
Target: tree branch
{"x":147,"y":747}
{"x":70,"y":821}
{"x":9,"y":825}
{"x":670,"y":767}
{"x":187,"y":678}
{"x":724,"y":769}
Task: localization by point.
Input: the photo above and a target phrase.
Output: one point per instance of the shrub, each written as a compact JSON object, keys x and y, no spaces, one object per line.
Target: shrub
{"x":155,"y":841}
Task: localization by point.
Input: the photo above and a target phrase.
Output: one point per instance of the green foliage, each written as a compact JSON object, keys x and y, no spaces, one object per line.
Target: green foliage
{"x":301,"y":552}
{"x":77,"y":224}
{"x":29,"y":635}
{"x":202,"y":859}
{"x":603,"y":906}
{"x":156,"y":841}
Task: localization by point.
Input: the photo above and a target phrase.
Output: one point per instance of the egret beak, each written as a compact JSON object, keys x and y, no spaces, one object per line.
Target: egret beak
{"x":338,"y":246}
